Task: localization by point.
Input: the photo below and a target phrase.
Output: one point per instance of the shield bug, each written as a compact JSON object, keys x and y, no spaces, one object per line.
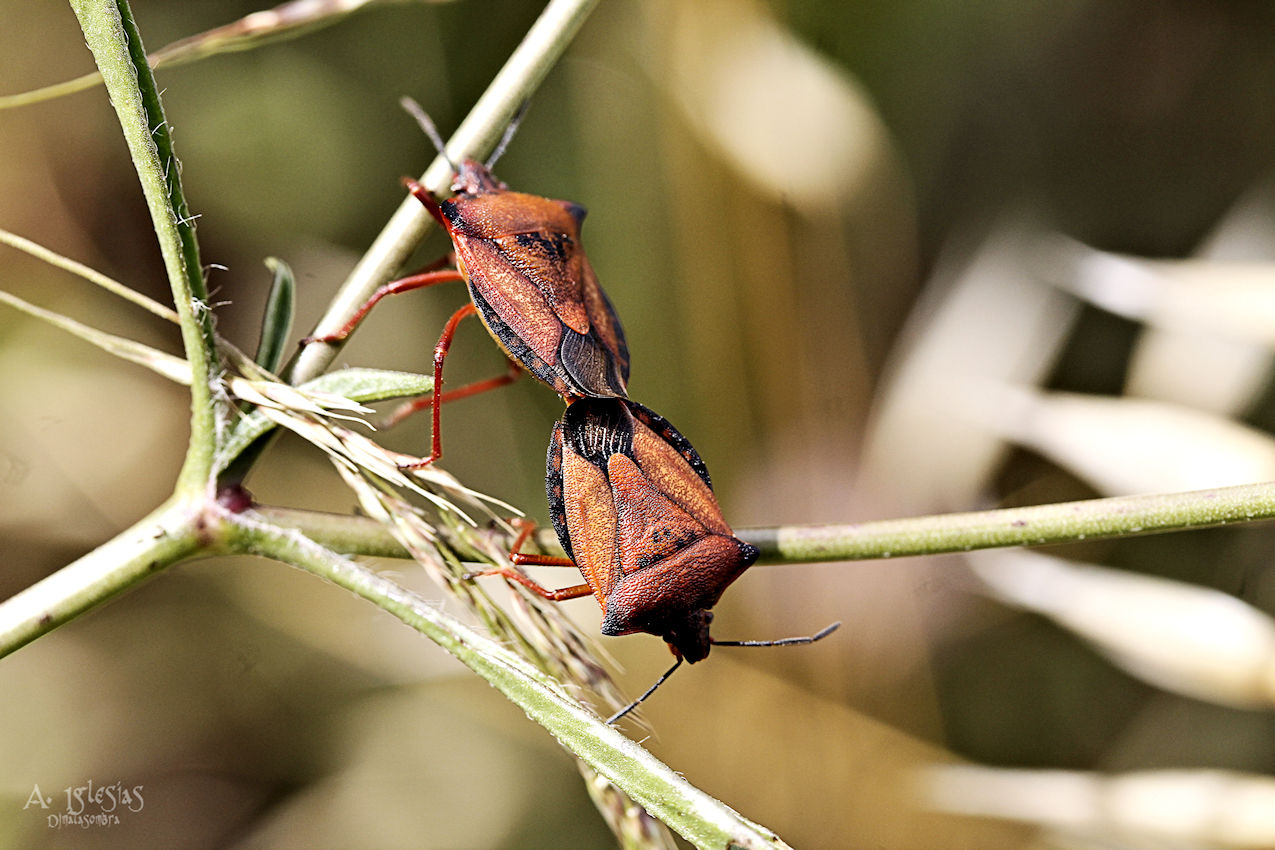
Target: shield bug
{"x":530,"y":283}
{"x":633,"y":506}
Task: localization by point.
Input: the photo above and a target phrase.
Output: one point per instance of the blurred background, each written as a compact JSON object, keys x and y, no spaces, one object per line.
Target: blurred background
{"x":874,"y":259}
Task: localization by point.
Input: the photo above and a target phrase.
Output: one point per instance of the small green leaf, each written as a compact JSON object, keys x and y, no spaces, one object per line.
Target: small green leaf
{"x":276,"y":322}
{"x":359,"y":384}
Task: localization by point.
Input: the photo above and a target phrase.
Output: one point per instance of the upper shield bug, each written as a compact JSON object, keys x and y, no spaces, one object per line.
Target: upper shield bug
{"x":633,"y":507}
{"x":530,"y":283}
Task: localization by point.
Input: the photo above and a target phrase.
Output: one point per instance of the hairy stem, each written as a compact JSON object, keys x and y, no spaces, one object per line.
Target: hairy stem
{"x":117,"y":48}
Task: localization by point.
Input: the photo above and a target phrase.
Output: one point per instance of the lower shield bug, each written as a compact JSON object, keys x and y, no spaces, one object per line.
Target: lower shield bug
{"x":634,"y":509}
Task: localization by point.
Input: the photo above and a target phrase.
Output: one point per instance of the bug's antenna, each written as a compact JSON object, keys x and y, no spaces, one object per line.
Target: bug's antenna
{"x":792,"y":641}
{"x":427,"y":124}
{"x":614,"y":717}
{"x":509,"y":134}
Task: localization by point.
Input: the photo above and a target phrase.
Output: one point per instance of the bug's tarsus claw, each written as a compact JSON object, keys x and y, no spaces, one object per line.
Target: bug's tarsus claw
{"x":415,"y":465}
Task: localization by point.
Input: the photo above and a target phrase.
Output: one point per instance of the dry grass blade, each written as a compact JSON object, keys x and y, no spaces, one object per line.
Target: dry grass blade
{"x":535,"y":629}
{"x":281,"y":396}
{"x":246,"y":33}
{"x":451,"y":544}
{"x":91,"y":275}
{"x":171,"y":367}
{"x":348,"y":447}
{"x":372,"y":472}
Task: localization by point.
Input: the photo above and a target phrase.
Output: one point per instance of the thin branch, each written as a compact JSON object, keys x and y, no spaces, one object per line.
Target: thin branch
{"x":1039,"y":525}
{"x":286,"y":20}
{"x":164,"y":537}
{"x":1065,"y":522}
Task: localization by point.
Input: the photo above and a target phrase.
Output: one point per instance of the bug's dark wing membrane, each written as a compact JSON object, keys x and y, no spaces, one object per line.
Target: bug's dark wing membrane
{"x":590,"y":365}
{"x":554,"y":490}
{"x":597,"y":428}
{"x":599,"y":360}
{"x":610,"y":331}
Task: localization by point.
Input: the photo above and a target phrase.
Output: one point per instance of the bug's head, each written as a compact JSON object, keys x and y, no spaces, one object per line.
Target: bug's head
{"x":688,"y":637}
{"x":474,"y":179}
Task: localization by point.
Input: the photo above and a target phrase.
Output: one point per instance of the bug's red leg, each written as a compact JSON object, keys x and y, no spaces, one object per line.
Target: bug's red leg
{"x":540,"y":590}
{"x":525,"y":528}
{"x":407,"y":409}
{"x":525,"y":560}
{"x":440,"y":354}
{"x":394,"y":287}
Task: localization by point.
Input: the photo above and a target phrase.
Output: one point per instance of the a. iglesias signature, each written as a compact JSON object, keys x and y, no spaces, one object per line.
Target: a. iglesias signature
{"x":88,"y":805}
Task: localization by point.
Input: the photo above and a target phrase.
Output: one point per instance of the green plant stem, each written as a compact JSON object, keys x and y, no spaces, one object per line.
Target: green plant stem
{"x":165,"y":536}
{"x":660,"y":790}
{"x":346,"y":534}
{"x":1039,"y":525}
{"x":1065,"y":522}
{"x":477,"y":134}
{"x":117,"y":48}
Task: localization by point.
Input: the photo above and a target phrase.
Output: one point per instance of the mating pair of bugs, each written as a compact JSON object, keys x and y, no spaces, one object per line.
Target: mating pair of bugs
{"x":630,"y":498}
